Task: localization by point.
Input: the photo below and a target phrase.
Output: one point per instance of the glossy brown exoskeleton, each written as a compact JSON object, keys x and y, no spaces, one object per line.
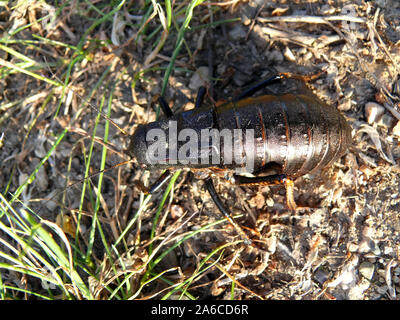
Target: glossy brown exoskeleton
{"x":296,"y":133}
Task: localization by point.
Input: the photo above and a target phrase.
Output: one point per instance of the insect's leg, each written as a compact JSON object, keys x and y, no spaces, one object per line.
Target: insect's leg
{"x":274,"y":179}
{"x":217,"y":200}
{"x":160,"y":181}
{"x":305,"y":78}
{"x":280,"y":76}
{"x":165,"y":107}
{"x":200,"y":97}
{"x":156,"y":185}
{"x":249,"y":92}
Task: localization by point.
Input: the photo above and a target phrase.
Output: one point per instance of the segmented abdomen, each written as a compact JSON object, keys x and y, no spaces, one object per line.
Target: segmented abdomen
{"x":298,"y":132}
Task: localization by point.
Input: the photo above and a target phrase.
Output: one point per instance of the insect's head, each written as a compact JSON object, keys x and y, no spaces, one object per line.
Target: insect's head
{"x":138,"y":146}
{"x":149,"y":146}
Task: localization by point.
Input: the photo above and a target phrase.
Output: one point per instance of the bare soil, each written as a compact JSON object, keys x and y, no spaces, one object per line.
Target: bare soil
{"x":343,"y":245}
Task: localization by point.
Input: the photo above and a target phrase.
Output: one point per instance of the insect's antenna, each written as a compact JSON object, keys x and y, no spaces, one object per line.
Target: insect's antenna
{"x":99,"y":172}
{"x":87,"y":178}
{"x":101,"y":114}
{"x":90,"y":104}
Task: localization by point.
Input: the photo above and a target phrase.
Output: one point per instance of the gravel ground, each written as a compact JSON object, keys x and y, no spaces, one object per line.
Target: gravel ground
{"x":343,"y":245}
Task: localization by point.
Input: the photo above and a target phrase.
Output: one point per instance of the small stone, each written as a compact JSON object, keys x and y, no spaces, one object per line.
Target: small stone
{"x":382,"y":290}
{"x":357,"y":292}
{"x":257,"y":201}
{"x":42,"y":180}
{"x":199,"y":78}
{"x":237,"y":33}
{"x":240,"y":78}
{"x":270,"y":202}
{"x":371,"y":259}
{"x":289,"y":55}
{"x":176,"y":211}
{"x":271,"y":244}
{"x":275,"y":56}
{"x":373,"y":111}
{"x":364,"y":246}
{"x":308,"y":56}
{"x":52,"y":203}
{"x":321,"y":276}
{"x":396,"y":129}
{"x":348,"y":279}
{"x":367,"y":269}
{"x":375,"y":249}
{"x":367,"y":171}
{"x":388,"y":251}
{"x":382,"y":273}
{"x":348,"y":93}
{"x":40,"y":150}
{"x":386,"y":120}
{"x":345,"y":105}
{"x":327,"y":10}
{"x":353,"y":247}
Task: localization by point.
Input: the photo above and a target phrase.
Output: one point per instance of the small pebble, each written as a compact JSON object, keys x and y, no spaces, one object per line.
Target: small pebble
{"x":364,"y":246}
{"x":52,"y":203}
{"x":370,"y":256}
{"x":327,"y":10}
{"x":237,"y":33}
{"x":76,"y":163}
{"x":373,"y":112}
{"x":199,"y":78}
{"x":275,"y":56}
{"x":357,"y":292}
{"x":382,"y":273}
{"x":176,"y":211}
{"x":308,"y":56}
{"x":42,"y":181}
{"x":353,"y":247}
{"x":367,"y":269}
{"x":40,"y":150}
{"x":386,"y":120}
{"x":289,"y":55}
{"x":270,"y":202}
{"x":396,"y":129}
{"x":382,"y":290}
{"x":375,"y":249}
{"x":345,"y":105}
{"x":271,"y":244}
{"x":367,"y":171}
{"x":388,"y":250}
{"x":348,"y":93}
{"x":321,"y":276}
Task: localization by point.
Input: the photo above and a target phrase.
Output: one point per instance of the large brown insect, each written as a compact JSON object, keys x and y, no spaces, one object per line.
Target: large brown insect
{"x":294,"y":134}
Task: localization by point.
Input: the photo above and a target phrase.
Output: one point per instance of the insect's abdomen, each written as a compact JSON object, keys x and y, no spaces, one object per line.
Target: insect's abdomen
{"x":298,"y":132}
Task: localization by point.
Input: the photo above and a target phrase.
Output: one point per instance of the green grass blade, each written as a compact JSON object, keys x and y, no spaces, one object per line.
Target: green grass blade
{"x":16,"y":68}
{"x":179,"y":41}
{"x":188,"y":281}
